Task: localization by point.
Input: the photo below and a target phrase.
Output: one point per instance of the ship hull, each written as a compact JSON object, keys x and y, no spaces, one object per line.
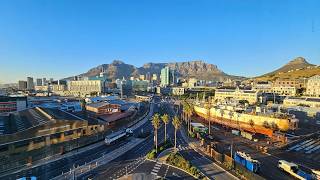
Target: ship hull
{"x":247,"y":122}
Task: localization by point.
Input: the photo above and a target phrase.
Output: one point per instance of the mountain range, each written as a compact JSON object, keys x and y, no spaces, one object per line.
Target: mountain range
{"x":296,"y":68}
{"x":198,"y":69}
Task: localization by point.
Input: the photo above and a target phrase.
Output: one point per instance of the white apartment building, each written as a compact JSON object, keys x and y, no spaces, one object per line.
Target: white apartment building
{"x":236,"y":94}
{"x":313,"y":86}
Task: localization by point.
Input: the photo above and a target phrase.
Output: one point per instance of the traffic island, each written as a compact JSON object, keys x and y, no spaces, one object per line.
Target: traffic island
{"x":153,"y":154}
{"x":175,"y":159}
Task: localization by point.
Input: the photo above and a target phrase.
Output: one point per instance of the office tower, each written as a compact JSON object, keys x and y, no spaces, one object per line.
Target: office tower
{"x":30,"y":83}
{"x":44,"y":81}
{"x":167,"y":77}
{"x":22,"y":85}
{"x":39,"y":82}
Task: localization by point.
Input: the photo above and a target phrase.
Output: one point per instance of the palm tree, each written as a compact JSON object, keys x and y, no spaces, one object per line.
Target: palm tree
{"x":165,"y":120}
{"x":156,"y":126}
{"x":209,"y":121}
{"x":189,"y":112}
{"x":176,"y":123}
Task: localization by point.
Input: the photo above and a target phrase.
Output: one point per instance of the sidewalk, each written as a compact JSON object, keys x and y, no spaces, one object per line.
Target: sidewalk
{"x":204,"y":164}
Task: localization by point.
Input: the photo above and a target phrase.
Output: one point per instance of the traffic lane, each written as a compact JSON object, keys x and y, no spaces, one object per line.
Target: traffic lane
{"x":58,"y":168}
{"x":207,"y":166}
{"x":55,"y":168}
{"x":174,"y":174}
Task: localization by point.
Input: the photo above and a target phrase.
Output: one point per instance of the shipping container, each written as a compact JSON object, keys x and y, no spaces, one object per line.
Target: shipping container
{"x":245,"y":160}
{"x":235,"y":132}
{"x":246,"y":135}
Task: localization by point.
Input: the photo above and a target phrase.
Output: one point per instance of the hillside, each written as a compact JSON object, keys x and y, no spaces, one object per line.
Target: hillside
{"x":197,"y":69}
{"x":295,"y":69}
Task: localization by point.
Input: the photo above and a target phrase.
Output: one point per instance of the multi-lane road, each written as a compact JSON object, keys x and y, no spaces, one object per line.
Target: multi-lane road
{"x":131,"y":162}
{"x":134,"y":162}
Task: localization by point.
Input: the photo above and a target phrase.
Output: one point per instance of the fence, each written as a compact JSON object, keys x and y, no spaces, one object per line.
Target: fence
{"x":228,"y":162}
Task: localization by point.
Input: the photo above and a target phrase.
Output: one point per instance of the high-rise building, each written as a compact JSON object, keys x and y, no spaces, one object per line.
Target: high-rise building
{"x":22,"y":85}
{"x":44,"y":81}
{"x":39,"y":82}
{"x":30,"y":83}
{"x":167,"y":77}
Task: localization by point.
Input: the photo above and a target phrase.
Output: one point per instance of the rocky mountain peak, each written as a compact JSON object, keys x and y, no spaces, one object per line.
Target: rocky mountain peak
{"x":298,"y":60}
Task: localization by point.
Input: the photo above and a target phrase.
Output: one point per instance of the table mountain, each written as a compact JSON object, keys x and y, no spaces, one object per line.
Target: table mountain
{"x":197,"y":69}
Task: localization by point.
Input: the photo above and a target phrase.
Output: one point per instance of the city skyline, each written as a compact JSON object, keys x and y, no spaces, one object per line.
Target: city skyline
{"x":45,"y":39}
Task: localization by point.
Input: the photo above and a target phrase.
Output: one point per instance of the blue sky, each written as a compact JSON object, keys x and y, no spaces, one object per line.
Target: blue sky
{"x":60,"y":38}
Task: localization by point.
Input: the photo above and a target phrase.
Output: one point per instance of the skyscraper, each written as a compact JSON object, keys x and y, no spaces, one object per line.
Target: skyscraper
{"x":30,"y":83}
{"x":39,"y":82}
{"x":167,"y":77}
{"x":44,"y":81}
{"x":22,"y":85}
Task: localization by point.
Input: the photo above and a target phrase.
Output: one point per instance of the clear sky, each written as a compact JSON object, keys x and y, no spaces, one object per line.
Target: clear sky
{"x":60,"y":38}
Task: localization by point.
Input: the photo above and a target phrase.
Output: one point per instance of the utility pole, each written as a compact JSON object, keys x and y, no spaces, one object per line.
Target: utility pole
{"x":231,"y":149}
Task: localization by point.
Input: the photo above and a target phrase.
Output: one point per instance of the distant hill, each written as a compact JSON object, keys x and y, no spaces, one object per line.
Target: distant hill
{"x":294,"y":69}
{"x":198,"y":69}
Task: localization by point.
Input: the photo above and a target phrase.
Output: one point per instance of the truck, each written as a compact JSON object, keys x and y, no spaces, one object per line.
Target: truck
{"x":246,"y":160}
{"x":293,"y":170}
{"x":246,"y":135}
{"x":199,"y":128}
{"x":113,"y":137}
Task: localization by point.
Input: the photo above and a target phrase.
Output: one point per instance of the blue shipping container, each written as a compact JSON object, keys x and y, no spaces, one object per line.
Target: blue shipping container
{"x":250,"y":164}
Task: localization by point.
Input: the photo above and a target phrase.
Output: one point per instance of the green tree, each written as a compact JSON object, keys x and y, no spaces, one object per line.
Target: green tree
{"x":188,"y":111}
{"x":176,"y":124}
{"x":165,"y":120}
{"x":156,"y":126}
{"x":83,"y":104}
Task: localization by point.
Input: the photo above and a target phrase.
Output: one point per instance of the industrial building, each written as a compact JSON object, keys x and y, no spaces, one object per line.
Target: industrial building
{"x":12,"y":103}
{"x":35,"y":128}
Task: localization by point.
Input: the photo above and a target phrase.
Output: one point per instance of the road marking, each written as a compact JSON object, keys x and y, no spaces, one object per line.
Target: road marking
{"x":165,"y":174}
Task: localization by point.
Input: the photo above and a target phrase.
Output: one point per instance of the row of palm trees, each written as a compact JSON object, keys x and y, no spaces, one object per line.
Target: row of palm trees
{"x":187,"y":113}
{"x":156,"y":120}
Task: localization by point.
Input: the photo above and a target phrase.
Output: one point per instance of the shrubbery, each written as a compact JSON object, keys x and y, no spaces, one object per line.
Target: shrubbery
{"x":161,"y":147}
{"x":178,"y":161}
{"x":192,"y":134}
{"x":151,"y":154}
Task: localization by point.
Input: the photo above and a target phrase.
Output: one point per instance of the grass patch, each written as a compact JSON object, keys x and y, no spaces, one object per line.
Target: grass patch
{"x":161,"y":147}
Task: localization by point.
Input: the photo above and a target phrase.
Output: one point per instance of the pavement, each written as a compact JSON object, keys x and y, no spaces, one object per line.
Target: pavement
{"x":105,"y":159}
{"x":269,"y":161}
{"x":190,"y":151}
